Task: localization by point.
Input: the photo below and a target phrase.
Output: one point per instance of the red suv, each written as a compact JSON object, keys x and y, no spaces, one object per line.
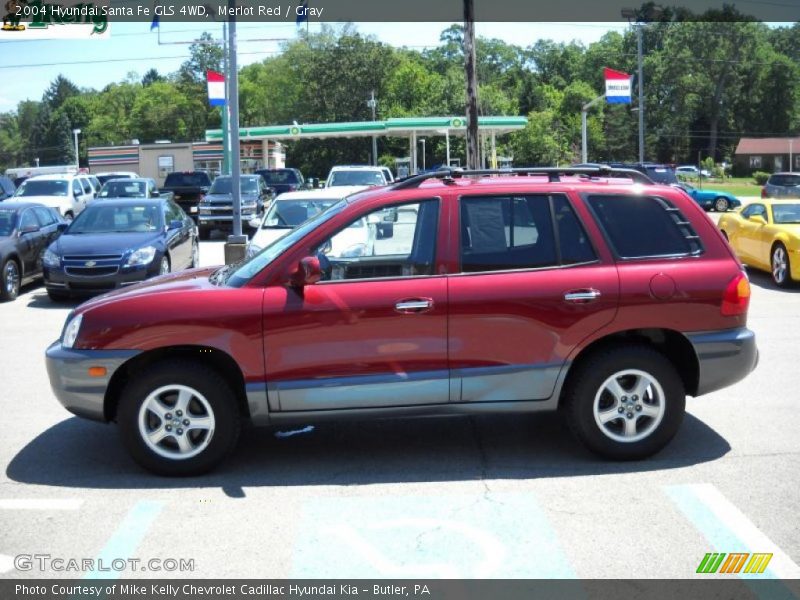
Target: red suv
{"x":591,"y":291}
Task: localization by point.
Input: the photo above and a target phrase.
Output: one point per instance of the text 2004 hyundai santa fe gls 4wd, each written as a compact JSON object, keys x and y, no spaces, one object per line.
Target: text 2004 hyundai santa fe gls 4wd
{"x":607,"y":298}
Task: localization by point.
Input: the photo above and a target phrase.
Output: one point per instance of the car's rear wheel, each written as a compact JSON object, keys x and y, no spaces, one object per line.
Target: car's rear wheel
{"x":9,"y":287}
{"x":721,"y":204}
{"x":624,"y":403}
{"x":179,"y":418}
{"x":781,"y":266}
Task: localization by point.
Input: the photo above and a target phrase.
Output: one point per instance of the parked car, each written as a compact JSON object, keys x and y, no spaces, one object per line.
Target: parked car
{"x":357,"y":175}
{"x":710,"y":199}
{"x":606,"y":300}
{"x":782,"y":185}
{"x":118,"y":243}
{"x":7,"y":187}
{"x":292,"y":209}
{"x":766,"y":235}
{"x":140,"y":187}
{"x":692,"y":171}
{"x":68,"y":194}
{"x":216,"y":209}
{"x":26,"y":229}
{"x":188,"y":189}
{"x":283,"y":180}
{"x":104,"y":177}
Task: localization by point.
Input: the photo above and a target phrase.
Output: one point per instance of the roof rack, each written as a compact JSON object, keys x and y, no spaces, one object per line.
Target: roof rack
{"x":554,"y":174}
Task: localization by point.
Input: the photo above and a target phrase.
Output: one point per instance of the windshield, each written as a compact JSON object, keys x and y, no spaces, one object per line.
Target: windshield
{"x":104,"y":218}
{"x":661,"y":174}
{"x":357,"y":178}
{"x":279,"y":176}
{"x":8,"y":219}
{"x":103,"y":177}
{"x":786,"y":214}
{"x":291,"y":213}
{"x":785,"y":180}
{"x":240,"y":274}
{"x":124,"y":189}
{"x":43,"y":187}
{"x":187,"y":180}
{"x":224,"y":185}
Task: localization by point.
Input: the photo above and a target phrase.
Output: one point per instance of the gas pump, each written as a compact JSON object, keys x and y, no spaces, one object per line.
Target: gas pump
{"x":402,"y":166}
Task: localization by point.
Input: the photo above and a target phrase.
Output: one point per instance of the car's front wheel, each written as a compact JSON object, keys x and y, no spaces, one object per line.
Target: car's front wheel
{"x":179,"y":418}
{"x":625,"y":403}
{"x":9,"y":286}
{"x":781,"y":266}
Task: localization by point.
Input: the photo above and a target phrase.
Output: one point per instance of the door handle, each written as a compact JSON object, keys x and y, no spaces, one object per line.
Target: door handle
{"x":414,"y":305}
{"x":582,"y":296}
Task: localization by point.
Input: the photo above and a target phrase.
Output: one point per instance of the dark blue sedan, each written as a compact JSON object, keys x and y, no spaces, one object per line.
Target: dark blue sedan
{"x":117,"y":243}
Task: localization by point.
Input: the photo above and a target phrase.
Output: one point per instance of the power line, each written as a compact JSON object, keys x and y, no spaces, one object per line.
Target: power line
{"x":116,"y":60}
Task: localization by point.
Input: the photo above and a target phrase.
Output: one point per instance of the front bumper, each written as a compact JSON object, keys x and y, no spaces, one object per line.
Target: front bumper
{"x":58,"y":280}
{"x":224,"y":220}
{"x":724,"y":357}
{"x":76,"y":390}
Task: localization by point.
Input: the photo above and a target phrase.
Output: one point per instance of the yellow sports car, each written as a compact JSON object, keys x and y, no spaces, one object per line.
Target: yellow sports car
{"x":766,"y":235}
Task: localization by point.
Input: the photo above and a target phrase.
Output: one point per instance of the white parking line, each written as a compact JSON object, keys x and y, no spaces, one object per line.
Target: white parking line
{"x":40,"y":504}
{"x":727,"y":528}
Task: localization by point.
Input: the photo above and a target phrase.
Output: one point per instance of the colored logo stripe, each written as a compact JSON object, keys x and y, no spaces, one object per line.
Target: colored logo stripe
{"x":713,"y":562}
{"x":758,"y":563}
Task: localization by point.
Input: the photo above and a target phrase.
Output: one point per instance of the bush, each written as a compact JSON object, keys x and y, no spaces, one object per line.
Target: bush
{"x":760,"y":177}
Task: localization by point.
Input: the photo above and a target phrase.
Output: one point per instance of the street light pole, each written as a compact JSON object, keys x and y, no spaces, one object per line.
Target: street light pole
{"x":75,"y":133}
{"x":641,"y":91}
{"x":372,"y":103}
{"x":584,"y":141}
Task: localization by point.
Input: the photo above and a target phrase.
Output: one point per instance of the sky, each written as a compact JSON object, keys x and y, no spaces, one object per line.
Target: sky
{"x":134,"y":48}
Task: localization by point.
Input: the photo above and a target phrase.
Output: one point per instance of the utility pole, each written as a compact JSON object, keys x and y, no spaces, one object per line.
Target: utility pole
{"x":372,"y":103}
{"x":237,"y":243}
{"x":226,"y":140}
{"x":75,"y":132}
{"x":473,"y":156}
{"x":584,"y":136}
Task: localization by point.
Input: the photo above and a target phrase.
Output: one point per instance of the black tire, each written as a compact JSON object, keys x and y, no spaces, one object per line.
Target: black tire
{"x":195,"y":256}
{"x":10,"y":280}
{"x":204,"y":233}
{"x":165,"y":265}
{"x":721,"y":204}
{"x":585,"y":384}
{"x":217,"y":393}
{"x":57,"y":296}
{"x":779,"y":250}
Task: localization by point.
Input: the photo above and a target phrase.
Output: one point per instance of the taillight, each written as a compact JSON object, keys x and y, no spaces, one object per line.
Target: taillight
{"x":764,"y":192}
{"x":736,"y":298}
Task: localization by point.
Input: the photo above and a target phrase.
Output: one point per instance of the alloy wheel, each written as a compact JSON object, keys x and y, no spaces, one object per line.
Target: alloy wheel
{"x":629,"y":405}
{"x":176,"y":422}
{"x":780,"y":265}
{"x":11,"y":278}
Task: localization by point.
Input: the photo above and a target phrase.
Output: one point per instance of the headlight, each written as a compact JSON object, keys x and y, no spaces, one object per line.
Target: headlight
{"x":51,"y":259}
{"x":252,"y":250}
{"x":354,"y":250}
{"x":71,"y":331}
{"x":142,"y":256}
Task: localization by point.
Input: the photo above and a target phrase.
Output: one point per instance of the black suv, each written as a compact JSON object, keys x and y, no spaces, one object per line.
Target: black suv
{"x":283,"y":180}
{"x":188,"y":189}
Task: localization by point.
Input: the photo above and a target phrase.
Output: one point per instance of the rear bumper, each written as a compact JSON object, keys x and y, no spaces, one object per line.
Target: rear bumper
{"x":68,"y":371}
{"x":724,"y":357}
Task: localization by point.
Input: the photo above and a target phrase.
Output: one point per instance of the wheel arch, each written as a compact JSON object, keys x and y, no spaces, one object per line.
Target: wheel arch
{"x":673,"y":345}
{"x":220,"y":361}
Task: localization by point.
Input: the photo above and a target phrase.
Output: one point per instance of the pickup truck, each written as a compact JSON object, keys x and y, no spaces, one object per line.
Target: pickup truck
{"x":188,"y":189}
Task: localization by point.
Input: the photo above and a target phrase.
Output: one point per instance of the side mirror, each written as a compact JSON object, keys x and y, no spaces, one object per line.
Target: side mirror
{"x":308,"y":272}
{"x":757,"y":219}
{"x":76,"y":193}
{"x":155,"y":194}
{"x":390,"y":215}
{"x":176,"y":224}
{"x":29,"y":229}
{"x":254,"y":223}
{"x":62,"y":227}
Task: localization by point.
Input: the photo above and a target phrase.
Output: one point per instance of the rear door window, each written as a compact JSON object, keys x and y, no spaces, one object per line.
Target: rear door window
{"x":644,"y":226}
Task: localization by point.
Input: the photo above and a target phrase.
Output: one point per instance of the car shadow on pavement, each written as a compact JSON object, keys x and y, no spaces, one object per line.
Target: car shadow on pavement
{"x":81,"y":454}
{"x":40,"y":299}
{"x":764,"y":281}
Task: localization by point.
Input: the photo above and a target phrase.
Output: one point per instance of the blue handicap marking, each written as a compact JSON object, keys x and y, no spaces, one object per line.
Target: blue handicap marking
{"x":503,"y":535}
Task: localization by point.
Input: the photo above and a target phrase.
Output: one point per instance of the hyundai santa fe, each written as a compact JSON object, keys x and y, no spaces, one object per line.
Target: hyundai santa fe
{"x":590,"y":291}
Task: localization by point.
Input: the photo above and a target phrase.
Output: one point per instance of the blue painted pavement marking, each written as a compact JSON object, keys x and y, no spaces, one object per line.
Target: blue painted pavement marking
{"x":126,"y":539}
{"x":504,"y":535}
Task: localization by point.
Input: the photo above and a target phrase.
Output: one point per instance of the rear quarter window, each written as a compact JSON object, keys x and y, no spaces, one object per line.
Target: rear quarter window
{"x":644,"y":226}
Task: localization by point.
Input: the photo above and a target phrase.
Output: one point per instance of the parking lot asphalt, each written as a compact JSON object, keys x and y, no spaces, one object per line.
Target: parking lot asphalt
{"x":493,"y":496}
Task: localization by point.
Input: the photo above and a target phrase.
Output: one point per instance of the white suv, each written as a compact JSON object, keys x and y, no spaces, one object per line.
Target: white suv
{"x":358,"y":175}
{"x":68,"y":194}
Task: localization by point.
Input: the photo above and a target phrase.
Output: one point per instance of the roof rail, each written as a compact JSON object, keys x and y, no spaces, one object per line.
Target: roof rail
{"x":554,"y":174}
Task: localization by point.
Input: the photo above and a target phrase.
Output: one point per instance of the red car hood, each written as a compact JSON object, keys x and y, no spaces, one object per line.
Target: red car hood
{"x":165,"y":284}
